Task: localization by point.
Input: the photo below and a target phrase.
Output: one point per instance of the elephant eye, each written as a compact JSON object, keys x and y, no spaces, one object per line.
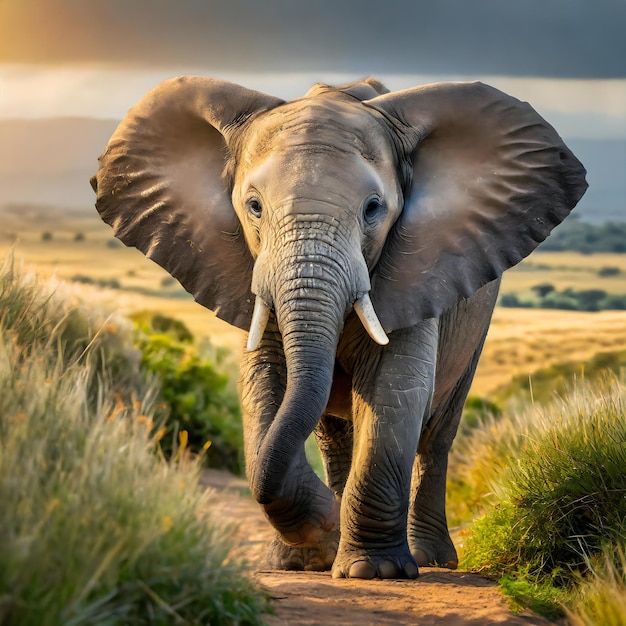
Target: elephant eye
{"x":254,"y":207}
{"x":372,"y":209}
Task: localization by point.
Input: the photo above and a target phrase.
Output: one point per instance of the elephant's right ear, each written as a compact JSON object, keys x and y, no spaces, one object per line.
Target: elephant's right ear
{"x":161,"y":186}
{"x":487,"y":179}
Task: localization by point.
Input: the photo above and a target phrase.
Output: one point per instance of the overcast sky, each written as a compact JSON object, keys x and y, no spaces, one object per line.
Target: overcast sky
{"x":97,"y":57}
{"x":566,"y":38}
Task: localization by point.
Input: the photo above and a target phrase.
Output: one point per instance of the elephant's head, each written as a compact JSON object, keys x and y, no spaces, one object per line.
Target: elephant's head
{"x":396,"y":204}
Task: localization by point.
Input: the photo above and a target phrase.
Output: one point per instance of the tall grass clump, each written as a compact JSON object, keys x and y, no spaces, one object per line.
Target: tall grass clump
{"x":557,"y":494}
{"x":601,"y":600}
{"x":95,"y":526}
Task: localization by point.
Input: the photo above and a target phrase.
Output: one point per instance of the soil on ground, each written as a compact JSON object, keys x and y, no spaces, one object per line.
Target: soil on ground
{"x":438,"y":596}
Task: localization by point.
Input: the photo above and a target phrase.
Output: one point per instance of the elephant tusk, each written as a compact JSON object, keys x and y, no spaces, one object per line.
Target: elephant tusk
{"x":365,"y":310}
{"x":257,"y":326}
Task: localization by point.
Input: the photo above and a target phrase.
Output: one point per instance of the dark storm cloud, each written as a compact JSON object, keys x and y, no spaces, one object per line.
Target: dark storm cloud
{"x":567,"y":38}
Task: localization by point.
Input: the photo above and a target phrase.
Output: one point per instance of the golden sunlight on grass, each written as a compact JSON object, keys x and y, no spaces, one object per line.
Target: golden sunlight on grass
{"x":521,"y":341}
{"x":567,"y":269}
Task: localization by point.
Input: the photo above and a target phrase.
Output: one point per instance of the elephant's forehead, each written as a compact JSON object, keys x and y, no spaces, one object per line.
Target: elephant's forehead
{"x":319,"y":123}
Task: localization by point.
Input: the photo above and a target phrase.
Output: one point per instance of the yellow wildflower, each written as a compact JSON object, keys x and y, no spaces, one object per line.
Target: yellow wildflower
{"x":160,"y":433}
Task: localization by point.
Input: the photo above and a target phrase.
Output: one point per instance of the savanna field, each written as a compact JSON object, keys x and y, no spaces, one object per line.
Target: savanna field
{"x":116,"y":390}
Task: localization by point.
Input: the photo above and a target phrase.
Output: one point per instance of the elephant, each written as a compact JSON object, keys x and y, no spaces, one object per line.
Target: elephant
{"x":359,"y":236}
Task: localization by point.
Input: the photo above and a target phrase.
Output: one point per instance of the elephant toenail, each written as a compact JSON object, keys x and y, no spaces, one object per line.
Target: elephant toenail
{"x":362,"y":569}
{"x":421,"y":558}
{"x":387,"y":569}
{"x":411,"y":571}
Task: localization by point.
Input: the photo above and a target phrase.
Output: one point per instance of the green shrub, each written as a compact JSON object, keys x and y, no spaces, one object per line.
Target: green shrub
{"x":511,"y":301}
{"x":614,"y":303}
{"x":95,"y":528}
{"x":149,"y":322}
{"x":111,"y":283}
{"x":560,"y":300}
{"x":560,"y":497}
{"x":168,"y":281}
{"x":543,"y":289}
{"x":475,"y":411}
{"x":197,"y":397}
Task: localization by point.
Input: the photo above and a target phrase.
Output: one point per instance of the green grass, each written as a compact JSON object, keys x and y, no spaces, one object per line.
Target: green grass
{"x":551,"y":483}
{"x":95,"y":526}
{"x":602,"y":598}
{"x":555,"y":381}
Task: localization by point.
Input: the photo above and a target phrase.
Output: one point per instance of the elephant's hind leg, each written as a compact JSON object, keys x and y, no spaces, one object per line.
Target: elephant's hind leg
{"x":429,"y":537}
{"x":334,"y":436}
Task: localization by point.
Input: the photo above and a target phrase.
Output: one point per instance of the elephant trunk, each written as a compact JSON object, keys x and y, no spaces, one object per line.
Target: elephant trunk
{"x":312,"y":290}
{"x":306,"y":396}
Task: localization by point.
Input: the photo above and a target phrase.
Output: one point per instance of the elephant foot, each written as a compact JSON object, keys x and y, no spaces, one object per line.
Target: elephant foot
{"x":375,"y":564}
{"x":435,"y":554}
{"x":311,"y":527}
{"x":317,"y":558}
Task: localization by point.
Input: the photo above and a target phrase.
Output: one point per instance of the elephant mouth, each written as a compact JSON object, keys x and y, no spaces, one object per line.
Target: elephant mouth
{"x":362,"y":307}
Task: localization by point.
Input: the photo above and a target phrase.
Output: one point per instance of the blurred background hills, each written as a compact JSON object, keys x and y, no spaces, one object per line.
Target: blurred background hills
{"x":49,"y":161}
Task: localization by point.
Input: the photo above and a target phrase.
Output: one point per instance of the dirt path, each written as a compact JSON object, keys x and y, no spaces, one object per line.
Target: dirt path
{"x":437,"y":597}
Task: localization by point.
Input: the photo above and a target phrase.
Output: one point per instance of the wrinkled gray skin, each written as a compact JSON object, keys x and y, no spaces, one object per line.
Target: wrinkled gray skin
{"x":420,"y":199}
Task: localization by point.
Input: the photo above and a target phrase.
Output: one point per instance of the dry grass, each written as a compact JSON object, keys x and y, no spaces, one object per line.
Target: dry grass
{"x":567,"y":269}
{"x":521,"y":341}
{"x":96,"y":527}
{"x":141,"y":280}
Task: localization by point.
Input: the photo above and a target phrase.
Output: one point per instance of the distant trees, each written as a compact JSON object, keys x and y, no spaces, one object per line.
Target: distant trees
{"x":587,"y":238}
{"x":568,"y":299}
{"x":609,"y":271}
{"x":543,"y":290}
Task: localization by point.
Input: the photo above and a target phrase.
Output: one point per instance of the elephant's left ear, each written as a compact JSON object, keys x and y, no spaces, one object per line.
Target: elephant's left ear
{"x":490,"y":180}
{"x":162,"y":186}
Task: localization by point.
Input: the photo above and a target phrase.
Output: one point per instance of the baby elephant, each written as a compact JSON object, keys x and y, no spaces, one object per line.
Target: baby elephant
{"x":359,"y":235}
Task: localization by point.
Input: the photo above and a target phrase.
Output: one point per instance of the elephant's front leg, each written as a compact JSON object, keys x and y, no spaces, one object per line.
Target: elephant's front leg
{"x":393,"y":388}
{"x":306,"y":516}
{"x":334,"y":440}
